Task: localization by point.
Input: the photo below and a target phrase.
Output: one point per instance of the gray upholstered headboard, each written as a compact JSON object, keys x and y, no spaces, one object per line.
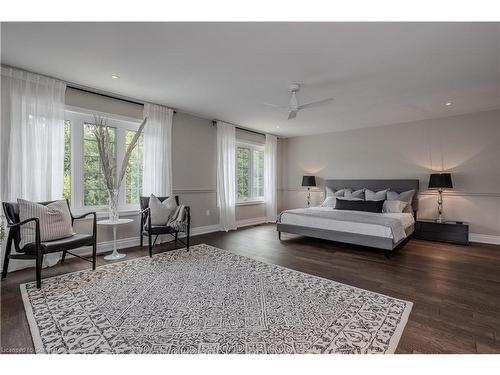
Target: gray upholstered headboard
{"x":376,"y":185}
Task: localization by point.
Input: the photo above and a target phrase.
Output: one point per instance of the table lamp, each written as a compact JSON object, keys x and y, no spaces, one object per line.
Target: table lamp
{"x":440,"y":181}
{"x":309,"y":181}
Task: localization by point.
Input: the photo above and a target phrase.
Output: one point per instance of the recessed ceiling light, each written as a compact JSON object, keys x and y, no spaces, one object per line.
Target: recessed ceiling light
{"x":114,"y":76}
{"x":448,"y":104}
{"x":277,"y":127}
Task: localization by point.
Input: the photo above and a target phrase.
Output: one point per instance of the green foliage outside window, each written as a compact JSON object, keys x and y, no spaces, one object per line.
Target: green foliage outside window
{"x":258,"y":173}
{"x":67,"y":160}
{"x":94,"y":186}
{"x":242,"y":172}
{"x":94,"y":191}
{"x":249,"y":173}
{"x":133,"y":176}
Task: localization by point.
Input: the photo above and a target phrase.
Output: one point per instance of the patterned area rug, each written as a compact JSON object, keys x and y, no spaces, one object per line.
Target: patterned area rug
{"x":208,"y":301}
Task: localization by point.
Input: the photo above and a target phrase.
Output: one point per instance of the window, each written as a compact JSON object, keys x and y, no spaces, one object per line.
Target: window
{"x":133,"y":177}
{"x":249,"y":172}
{"x":95,"y":192}
{"x":67,"y":160}
{"x":84,"y":182}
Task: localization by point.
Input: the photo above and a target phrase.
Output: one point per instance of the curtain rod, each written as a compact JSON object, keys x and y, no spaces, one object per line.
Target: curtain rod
{"x":239,"y":127}
{"x":106,"y":95}
{"x":101,"y":94}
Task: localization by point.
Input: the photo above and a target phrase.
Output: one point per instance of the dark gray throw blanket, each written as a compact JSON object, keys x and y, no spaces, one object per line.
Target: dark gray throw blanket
{"x":178,"y":219}
{"x":396,"y":226}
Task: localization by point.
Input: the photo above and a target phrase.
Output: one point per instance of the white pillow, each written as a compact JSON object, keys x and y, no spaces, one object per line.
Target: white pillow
{"x":376,"y":196}
{"x":354,"y":195}
{"x":54,"y":218}
{"x":161,"y":211}
{"x":405,"y":196}
{"x":395,"y":207}
{"x":331,"y":196}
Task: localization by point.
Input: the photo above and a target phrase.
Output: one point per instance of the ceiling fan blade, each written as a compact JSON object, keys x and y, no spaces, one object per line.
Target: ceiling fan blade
{"x":316,"y":103}
{"x":292,"y":115}
{"x":276,"y":106}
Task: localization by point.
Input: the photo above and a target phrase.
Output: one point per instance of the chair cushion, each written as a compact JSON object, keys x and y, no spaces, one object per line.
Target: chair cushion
{"x":159,"y":229}
{"x":55,"y":220}
{"x":68,"y":243}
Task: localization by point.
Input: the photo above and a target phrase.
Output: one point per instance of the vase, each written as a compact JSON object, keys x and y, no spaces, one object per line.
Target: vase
{"x":113,"y":205}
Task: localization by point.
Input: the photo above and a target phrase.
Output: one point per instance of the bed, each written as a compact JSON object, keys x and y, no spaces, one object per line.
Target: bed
{"x":387,"y":231}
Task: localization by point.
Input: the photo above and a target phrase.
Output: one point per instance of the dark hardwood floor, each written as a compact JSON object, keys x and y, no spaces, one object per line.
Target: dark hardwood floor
{"x":455,"y":289}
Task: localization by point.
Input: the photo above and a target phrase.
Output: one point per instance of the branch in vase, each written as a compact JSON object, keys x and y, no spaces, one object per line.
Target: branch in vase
{"x":128,"y":153}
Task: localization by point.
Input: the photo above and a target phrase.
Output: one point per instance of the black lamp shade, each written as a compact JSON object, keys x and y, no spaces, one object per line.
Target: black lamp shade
{"x":308,"y":181}
{"x":440,"y":181}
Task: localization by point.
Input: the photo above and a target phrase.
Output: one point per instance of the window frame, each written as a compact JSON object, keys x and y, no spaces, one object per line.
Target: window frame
{"x":78,"y":117}
{"x":253,"y":147}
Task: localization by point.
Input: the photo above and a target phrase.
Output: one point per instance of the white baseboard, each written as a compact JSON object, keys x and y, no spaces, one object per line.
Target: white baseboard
{"x":252,"y":221}
{"x":124,"y":243}
{"x":206,"y":229}
{"x":484,"y":238}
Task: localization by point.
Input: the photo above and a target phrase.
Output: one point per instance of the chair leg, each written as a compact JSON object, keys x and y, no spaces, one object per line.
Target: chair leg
{"x":141,"y":237}
{"x":94,"y":255}
{"x":175,"y":236}
{"x":150,"y":246}
{"x":63,"y":256}
{"x":39,"y":259}
{"x":187,"y":241}
{"x":279,"y":236}
{"x":7,"y":258}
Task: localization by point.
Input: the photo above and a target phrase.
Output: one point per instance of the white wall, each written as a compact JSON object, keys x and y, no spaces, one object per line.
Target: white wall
{"x":468,"y":146}
{"x":194,"y":160}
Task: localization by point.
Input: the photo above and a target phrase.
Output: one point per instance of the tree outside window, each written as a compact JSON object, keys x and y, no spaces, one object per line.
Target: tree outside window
{"x":249,"y":173}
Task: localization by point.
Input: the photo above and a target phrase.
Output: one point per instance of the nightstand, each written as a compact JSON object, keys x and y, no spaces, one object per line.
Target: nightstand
{"x":449,"y":231}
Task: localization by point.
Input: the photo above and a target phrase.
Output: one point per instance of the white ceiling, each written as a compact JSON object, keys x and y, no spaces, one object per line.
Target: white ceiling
{"x":378,"y":73}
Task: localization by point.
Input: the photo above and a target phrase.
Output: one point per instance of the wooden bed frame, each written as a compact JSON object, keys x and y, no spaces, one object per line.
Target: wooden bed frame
{"x":355,"y":238}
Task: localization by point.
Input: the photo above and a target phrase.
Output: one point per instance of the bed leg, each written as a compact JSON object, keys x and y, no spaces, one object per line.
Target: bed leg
{"x":387,"y":254}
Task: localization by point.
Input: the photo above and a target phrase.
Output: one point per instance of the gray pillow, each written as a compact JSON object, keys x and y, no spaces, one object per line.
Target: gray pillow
{"x":405,"y":196}
{"x":376,"y":196}
{"x":54,"y":218}
{"x":331,"y":195}
{"x":161,"y":211}
{"x":395,"y":207}
{"x":354,"y":195}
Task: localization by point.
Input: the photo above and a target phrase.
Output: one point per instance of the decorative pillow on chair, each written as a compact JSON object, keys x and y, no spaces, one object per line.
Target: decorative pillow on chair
{"x":54,"y":218}
{"x":376,"y":196}
{"x":161,"y":211}
{"x":331,"y":195}
{"x":354,"y":195}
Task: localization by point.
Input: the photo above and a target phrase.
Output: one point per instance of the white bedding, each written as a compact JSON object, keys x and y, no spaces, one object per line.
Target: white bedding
{"x":321,"y":222}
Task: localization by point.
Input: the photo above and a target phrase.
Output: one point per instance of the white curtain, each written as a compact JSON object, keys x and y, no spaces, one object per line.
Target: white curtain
{"x":31,"y":141}
{"x":270,"y":187}
{"x":226,"y":175}
{"x":157,"y":171}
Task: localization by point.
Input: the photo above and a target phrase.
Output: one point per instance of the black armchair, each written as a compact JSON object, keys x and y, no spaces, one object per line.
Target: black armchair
{"x":38,"y":249}
{"x":155,"y":230}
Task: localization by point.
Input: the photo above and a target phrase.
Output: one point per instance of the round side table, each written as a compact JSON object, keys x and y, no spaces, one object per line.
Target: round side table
{"x":114,"y":224}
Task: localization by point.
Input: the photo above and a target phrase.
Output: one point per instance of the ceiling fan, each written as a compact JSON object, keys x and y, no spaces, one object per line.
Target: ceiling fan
{"x":294,"y":106}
